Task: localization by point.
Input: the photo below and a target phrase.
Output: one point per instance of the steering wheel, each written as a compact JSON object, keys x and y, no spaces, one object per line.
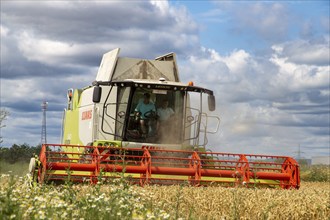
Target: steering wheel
{"x":150,"y":115}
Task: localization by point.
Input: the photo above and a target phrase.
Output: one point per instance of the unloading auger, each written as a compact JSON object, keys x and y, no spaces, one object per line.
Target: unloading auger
{"x":107,"y":134}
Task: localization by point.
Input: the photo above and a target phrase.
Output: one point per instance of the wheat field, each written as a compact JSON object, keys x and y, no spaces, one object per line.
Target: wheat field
{"x":120,"y":200}
{"x":312,"y":201}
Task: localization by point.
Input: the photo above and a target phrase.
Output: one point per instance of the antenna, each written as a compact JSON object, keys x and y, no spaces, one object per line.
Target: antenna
{"x":44,"y":106}
{"x":299,"y":152}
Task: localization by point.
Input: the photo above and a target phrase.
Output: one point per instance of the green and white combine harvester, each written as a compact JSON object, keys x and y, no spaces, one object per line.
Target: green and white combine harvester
{"x":139,"y":120}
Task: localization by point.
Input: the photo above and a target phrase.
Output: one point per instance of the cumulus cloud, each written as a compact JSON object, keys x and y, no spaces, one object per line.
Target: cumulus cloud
{"x":305,"y":52}
{"x":303,"y":71}
{"x":265,"y":103}
{"x":268,"y":103}
{"x":68,"y":38}
{"x":49,"y":47}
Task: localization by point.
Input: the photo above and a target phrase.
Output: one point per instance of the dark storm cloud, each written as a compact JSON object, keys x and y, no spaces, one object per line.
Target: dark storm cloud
{"x":306,"y":122}
{"x":86,"y":30}
{"x":25,"y":69}
{"x":48,"y":47}
{"x":306,"y":109}
{"x":322,"y":148}
{"x":14,"y":65}
{"x":96,"y":22}
{"x":313,"y":112}
{"x":32,"y":105}
{"x":79,"y":22}
{"x":325,"y":132}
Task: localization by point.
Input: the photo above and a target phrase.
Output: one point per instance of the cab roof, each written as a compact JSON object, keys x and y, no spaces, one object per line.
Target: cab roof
{"x":155,"y":84}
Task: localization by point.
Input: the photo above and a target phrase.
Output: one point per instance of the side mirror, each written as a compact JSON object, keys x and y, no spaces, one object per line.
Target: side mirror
{"x":97,"y":94}
{"x":211,"y":102}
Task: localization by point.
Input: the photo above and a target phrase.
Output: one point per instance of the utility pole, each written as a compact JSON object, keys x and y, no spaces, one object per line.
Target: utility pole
{"x":44,"y":106}
{"x":299,"y":153}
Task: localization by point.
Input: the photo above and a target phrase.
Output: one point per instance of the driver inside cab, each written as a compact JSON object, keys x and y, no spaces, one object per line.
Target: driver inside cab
{"x":143,"y":110}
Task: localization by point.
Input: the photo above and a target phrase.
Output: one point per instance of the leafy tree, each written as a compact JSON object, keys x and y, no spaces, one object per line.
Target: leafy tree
{"x":18,"y":153}
{"x":3,"y":116}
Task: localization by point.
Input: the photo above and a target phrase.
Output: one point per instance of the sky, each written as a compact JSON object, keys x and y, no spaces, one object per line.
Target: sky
{"x":267,"y":63}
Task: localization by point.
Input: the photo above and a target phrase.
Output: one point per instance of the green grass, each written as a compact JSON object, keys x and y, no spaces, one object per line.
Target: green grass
{"x":18,"y":168}
{"x":315,"y":173}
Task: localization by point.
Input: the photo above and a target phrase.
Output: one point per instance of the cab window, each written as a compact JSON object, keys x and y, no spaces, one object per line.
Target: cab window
{"x":154,"y":130}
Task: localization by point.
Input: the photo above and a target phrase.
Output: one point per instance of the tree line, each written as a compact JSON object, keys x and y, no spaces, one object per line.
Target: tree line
{"x":18,"y":153}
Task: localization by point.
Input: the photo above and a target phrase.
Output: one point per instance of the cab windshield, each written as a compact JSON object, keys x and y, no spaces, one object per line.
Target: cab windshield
{"x":155,"y":116}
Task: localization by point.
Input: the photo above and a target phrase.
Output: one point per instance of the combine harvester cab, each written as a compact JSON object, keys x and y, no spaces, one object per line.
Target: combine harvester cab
{"x":106,"y":132}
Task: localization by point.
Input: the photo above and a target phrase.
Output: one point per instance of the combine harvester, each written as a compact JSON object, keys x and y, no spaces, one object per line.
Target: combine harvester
{"x":118,"y":125}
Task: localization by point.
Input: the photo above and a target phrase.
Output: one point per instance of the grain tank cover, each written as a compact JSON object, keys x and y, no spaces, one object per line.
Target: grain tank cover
{"x":107,"y":65}
{"x":113,"y":67}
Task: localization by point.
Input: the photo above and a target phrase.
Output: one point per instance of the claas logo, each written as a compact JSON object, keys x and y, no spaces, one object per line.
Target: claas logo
{"x":86,"y":115}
